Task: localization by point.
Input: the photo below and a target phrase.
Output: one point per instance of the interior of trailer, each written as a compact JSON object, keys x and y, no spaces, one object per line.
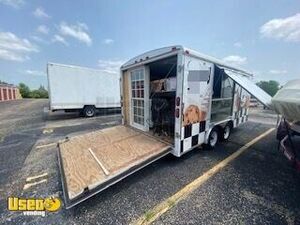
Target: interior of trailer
{"x":222,"y":99}
{"x":159,"y":101}
{"x":162,"y":97}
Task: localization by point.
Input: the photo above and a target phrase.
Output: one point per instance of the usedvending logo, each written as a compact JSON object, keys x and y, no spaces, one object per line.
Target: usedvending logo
{"x":34,"y":206}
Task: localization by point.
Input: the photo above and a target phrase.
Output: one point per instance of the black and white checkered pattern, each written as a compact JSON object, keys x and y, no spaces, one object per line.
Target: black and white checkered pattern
{"x":192,"y":135}
{"x":240,"y":116}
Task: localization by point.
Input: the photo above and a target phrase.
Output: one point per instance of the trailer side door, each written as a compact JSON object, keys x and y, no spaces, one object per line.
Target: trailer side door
{"x":197,"y":83}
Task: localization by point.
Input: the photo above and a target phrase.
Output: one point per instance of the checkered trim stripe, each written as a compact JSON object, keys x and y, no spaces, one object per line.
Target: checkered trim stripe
{"x":240,"y":116}
{"x":192,"y":135}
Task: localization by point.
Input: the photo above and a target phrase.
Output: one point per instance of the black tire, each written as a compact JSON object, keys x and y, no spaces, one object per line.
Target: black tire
{"x":89,"y":111}
{"x":225,"y":132}
{"x":212,"y":139}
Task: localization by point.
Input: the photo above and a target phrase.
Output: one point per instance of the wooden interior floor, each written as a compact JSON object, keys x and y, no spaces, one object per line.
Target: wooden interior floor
{"x":91,"y":159}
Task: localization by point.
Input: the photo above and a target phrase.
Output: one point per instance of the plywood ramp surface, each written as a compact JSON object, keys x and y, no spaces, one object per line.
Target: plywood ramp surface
{"x":91,"y":159}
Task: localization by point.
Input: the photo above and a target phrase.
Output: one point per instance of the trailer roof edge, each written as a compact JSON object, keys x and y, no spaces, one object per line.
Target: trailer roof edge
{"x":77,"y":67}
{"x":147,"y":56}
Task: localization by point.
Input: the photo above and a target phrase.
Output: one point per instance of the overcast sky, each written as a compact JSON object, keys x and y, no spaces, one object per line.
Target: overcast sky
{"x":260,"y":36}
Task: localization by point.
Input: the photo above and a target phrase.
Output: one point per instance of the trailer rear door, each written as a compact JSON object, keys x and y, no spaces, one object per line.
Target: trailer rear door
{"x":92,"y":162}
{"x":252,"y":88}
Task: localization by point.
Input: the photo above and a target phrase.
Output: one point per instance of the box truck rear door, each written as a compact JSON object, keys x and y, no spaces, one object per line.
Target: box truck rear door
{"x":252,"y":88}
{"x":92,"y":162}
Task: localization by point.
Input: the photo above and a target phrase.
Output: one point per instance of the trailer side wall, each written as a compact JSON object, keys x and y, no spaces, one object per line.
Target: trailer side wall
{"x":73,"y":87}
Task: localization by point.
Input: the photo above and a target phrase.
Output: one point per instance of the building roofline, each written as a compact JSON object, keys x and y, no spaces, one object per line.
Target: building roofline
{"x":8,"y":85}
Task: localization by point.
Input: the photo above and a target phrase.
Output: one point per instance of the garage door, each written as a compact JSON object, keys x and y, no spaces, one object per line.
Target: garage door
{"x":92,"y":162}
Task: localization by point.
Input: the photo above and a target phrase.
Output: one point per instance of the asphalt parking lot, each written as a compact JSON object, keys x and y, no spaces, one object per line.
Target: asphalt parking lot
{"x":258,"y":187}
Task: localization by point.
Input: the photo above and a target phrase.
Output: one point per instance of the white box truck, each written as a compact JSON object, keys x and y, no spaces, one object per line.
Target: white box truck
{"x":73,"y":88}
{"x":173,"y":99}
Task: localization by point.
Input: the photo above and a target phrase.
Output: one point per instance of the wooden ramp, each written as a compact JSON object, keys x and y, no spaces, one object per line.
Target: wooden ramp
{"x":91,"y":162}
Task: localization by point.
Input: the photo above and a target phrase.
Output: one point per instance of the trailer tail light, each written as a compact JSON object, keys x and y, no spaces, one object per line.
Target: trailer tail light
{"x":177,"y":113}
{"x":178,"y":101}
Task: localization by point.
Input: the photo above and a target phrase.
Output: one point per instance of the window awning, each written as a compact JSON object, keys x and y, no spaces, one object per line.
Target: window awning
{"x":252,"y":88}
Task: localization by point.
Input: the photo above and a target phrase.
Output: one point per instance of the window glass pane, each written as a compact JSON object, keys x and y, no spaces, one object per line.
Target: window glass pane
{"x":141,"y":75}
{"x":132,"y":76}
{"x":227,"y":87}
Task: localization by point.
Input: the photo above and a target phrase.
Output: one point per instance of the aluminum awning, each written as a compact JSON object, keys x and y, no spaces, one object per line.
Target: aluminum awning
{"x":251,"y":87}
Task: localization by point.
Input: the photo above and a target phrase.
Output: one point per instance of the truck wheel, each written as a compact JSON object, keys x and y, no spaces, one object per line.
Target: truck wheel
{"x":213,"y":138}
{"x":225,"y":132}
{"x":89,"y":111}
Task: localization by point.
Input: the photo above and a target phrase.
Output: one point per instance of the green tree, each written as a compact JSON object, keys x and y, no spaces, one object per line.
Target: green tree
{"x":271,"y":86}
{"x":43,"y":92}
{"x":24,"y":90}
{"x":39,"y":93}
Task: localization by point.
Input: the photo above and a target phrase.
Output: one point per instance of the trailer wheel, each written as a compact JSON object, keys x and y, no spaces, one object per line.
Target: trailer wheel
{"x":225,"y":132}
{"x":89,"y":111}
{"x":213,"y":138}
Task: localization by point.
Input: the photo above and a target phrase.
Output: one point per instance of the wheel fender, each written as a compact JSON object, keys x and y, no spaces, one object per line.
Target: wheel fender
{"x":207,"y":133}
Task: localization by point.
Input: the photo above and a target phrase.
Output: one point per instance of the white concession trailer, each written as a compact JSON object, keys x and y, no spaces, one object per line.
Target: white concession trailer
{"x":173,"y":100}
{"x":73,"y":88}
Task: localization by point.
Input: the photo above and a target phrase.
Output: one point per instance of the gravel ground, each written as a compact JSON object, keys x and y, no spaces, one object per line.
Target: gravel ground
{"x":21,"y":124}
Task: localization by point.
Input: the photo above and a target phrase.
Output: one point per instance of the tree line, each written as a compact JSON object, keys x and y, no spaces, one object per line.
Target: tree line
{"x":271,"y":86}
{"x":25,"y":91}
